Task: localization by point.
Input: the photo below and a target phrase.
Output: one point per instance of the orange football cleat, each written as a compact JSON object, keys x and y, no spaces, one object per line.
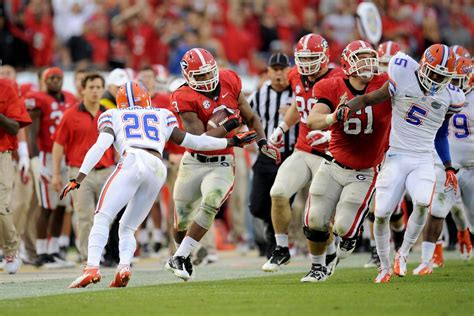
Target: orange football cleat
{"x":121,"y":277}
{"x":438,"y":260}
{"x":384,"y":276}
{"x":423,"y":269}
{"x":400,"y":266}
{"x":89,"y":275}
{"x":465,"y":245}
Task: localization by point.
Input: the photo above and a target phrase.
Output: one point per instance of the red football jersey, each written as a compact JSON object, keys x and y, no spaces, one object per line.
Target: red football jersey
{"x":162,"y":100}
{"x":52,"y":112}
{"x":360,"y":142}
{"x":185,"y":99}
{"x":305,"y":102}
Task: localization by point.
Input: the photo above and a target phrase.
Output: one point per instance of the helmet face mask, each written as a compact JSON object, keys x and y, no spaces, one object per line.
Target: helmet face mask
{"x":311,"y":54}
{"x":200,"y":70}
{"x":359,"y":59}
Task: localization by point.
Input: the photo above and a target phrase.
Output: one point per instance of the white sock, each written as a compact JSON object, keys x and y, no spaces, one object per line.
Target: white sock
{"x":64,"y":241}
{"x":331,"y":249}
{"x":41,"y":246}
{"x":53,"y":245}
{"x":281,"y":240}
{"x":382,"y":241}
{"x":372,"y":243}
{"x":98,"y":239}
{"x":319,"y":259}
{"x":427,"y":251}
{"x":186,"y":247}
{"x":142,"y":236}
{"x":415,"y":225}
{"x":158,"y":235}
{"x":127,"y":245}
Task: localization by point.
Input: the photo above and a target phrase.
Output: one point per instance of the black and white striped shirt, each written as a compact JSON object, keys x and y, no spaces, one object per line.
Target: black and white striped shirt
{"x":266,"y":102}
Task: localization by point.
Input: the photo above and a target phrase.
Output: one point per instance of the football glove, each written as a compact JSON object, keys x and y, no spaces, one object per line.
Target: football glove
{"x":317,"y":137}
{"x":233,"y":121}
{"x":244,"y":138}
{"x":276,"y":139}
{"x":269,"y":150}
{"x":342,"y":113}
{"x":72,"y":185}
{"x":451,"y":180}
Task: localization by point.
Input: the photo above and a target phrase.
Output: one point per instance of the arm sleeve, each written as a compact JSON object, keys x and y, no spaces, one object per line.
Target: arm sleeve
{"x":203,"y":142}
{"x":323,"y":91}
{"x":105,"y":120}
{"x":104,"y":141}
{"x":458,"y":99}
{"x":442,"y":144}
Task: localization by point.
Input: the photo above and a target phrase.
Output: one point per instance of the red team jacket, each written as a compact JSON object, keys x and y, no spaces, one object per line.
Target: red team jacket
{"x":52,"y":112}
{"x":361,"y":142}
{"x":305,"y":102}
{"x":185,"y":99}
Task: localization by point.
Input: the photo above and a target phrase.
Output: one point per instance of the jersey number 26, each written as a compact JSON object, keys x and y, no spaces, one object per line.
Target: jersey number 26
{"x":139,"y":126}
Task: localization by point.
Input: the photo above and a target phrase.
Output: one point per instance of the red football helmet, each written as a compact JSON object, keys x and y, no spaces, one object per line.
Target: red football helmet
{"x":436,"y":68}
{"x":311,"y":54}
{"x":460,"y":51}
{"x":385,"y":51}
{"x":132,"y":94}
{"x":198,"y":62}
{"x":161,"y":77}
{"x":365,"y":67}
{"x":463,"y":76}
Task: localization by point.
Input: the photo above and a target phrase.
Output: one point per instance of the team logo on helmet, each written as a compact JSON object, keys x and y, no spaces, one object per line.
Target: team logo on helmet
{"x":206,"y":104}
{"x":184,"y":64}
{"x":429,"y":56}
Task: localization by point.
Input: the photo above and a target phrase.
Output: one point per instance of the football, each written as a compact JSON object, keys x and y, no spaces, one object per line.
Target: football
{"x":218,"y":118}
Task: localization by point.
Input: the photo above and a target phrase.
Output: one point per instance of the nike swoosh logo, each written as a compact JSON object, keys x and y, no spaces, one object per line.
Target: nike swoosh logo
{"x":280,"y":261}
{"x":224,"y":95}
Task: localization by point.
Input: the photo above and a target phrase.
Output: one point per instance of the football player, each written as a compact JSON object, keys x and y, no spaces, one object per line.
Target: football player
{"x":422,"y":103}
{"x":385,"y":52}
{"x":139,"y":133}
{"x":345,"y":182}
{"x":208,"y":176}
{"x":312,"y":65}
{"x":461,"y":128}
{"x":46,"y":110}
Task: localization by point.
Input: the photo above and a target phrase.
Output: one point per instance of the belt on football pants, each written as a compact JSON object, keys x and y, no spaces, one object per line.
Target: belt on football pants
{"x":330,"y":159}
{"x":207,"y":159}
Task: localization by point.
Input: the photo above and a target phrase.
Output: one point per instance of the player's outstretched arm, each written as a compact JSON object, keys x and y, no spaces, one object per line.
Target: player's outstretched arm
{"x":317,"y":117}
{"x":442,"y":148}
{"x":206,"y":143}
{"x":104,"y":141}
{"x":371,"y":98}
{"x":193,"y":125}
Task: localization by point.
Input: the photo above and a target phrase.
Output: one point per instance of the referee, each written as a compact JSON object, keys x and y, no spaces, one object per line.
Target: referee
{"x":269,"y":102}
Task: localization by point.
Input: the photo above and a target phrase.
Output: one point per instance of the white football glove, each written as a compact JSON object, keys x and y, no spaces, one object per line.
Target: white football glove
{"x":317,"y":137}
{"x":277,"y":138}
{"x":24,"y":161}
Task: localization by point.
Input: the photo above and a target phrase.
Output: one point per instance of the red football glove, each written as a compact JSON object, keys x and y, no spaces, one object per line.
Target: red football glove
{"x":72,"y":185}
{"x":277,"y":138}
{"x":451,"y":180}
{"x":317,"y":137}
{"x":232,"y":121}
{"x":244,"y":138}
{"x":269,"y":151}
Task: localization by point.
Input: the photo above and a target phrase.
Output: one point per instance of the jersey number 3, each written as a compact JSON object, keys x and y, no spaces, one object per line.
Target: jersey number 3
{"x":139,"y":126}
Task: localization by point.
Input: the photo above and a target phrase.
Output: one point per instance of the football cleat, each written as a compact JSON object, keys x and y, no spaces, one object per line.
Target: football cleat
{"x":331,"y":262}
{"x":345,"y":247}
{"x":177,"y":265}
{"x":318,"y":273}
{"x":121,"y":277}
{"x":89,"y":275}
{"x":438,"y":260}
{"x":188,"y":265}
{"x":12,"y":264}
{"x":374,"y":261}
{"x":465,"y":245}
{"x":400,"y":266}
{"x":280,"y":256}
{"x":384,"y":276}
{"x":423,"y":269}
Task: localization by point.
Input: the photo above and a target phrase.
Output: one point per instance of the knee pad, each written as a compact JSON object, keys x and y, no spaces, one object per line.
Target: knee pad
{"x":395,"y":217}
{"x":371,"y":217}
{"x":205,"y":216}
{"x":315,"y":235}
{"x":101,"y":219}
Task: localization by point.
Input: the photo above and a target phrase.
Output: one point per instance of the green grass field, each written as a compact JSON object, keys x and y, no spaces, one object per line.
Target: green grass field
{"x":449,"y":291}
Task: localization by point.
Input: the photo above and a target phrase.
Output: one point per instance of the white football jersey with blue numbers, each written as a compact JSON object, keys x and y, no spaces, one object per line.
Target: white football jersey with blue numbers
{"x":139,"y":127}
{"x":416,"y":117}
{"x":461,"y":135}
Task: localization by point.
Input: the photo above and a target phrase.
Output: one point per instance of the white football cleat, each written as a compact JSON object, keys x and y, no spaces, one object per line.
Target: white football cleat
{"x":423,"y":269}
{"x":384,"y":276}
{"x":400,"y":266}
{"x":12,"y":264}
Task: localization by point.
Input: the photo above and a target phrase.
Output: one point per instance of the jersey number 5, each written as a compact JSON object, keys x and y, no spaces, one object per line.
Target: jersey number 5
{"x":415,"y":115}
{"x":137,"y":127}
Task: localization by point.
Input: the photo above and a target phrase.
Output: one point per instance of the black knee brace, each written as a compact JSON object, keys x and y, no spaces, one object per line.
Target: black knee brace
{"x":396,"y":217}
{"x":315,"y":235}
{"x":371,"y":217}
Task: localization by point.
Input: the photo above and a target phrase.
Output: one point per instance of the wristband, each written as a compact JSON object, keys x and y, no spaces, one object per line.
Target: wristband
{"x":451,"y":168}
{"x":330,"y":119}
{"x":284,"y":127}
{"x":262,"y":142}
